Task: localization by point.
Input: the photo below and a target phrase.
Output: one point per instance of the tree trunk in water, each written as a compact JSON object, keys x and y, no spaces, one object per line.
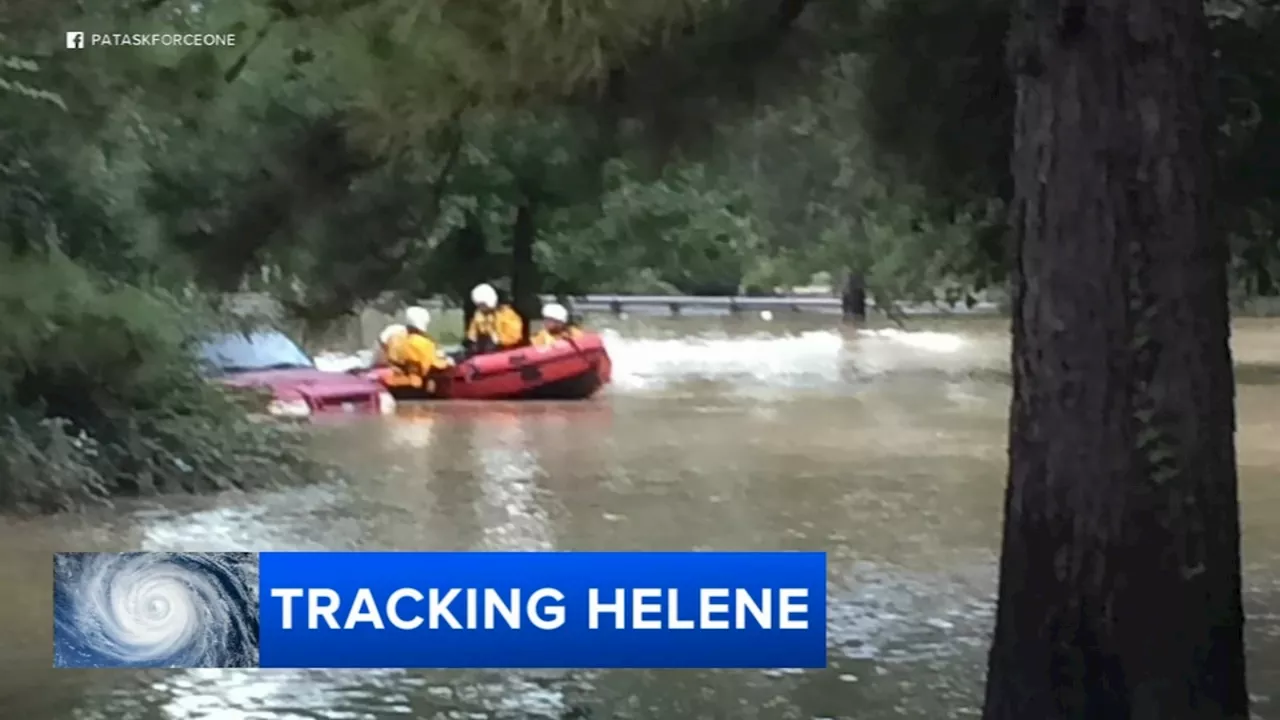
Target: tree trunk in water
{"x":1258,"y":261}
{"x":853,"y":298}
{"x":1120,"y":569}
{"x":524,"y":271}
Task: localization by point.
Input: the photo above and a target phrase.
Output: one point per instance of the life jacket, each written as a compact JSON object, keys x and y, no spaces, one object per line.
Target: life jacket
{"x":413,"y":357}
{"x":546,"y":337}
{"x":502,"y":327}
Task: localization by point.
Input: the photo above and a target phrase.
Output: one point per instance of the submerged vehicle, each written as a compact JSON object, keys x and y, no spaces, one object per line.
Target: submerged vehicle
{"x":269,"y":360}
{"x":568,"y":370}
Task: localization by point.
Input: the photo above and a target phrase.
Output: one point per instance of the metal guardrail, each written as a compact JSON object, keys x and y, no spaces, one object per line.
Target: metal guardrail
{"x":734,"y":304}
{"x":675,"y":304}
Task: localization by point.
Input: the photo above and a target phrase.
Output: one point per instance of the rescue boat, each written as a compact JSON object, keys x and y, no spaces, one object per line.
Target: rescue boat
{"x":570,"y":369}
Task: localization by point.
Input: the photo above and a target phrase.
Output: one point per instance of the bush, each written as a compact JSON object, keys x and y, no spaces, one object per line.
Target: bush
{"x":101,"y":396}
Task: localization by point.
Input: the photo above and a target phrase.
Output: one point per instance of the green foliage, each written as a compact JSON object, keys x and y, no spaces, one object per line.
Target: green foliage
{"x":103,"y":395}
{"x":939,"y":99}
{"x":10,"y":83}
{"x":423,"y":64}
{"x":99,"y":391}
{"x":940,"y":104}
{"x":1249,"y":140}
{"x":349,"y":152}
{"x":382,"y":148}
{"x":691,"y":231}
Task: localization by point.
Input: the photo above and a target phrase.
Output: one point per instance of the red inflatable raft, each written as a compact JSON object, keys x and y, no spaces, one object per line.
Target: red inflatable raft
{"x":568,"y":370}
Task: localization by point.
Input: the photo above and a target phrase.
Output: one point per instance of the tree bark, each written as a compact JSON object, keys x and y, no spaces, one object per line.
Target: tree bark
{"x":472,"y":260}
{"x":1120,"y":570}
{"x":853,"y":298}
{"x":524,"y":268}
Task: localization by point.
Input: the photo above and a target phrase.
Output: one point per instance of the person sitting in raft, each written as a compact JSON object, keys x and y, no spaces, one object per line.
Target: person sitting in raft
{"x":414,"y":355}
{"x":389,"y":334}
{"x":555,"y":326}
{"x":494,"y":327}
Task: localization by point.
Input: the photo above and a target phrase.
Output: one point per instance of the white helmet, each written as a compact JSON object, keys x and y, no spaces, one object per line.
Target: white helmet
{"x":418,"y":318}
{"x":555,"y":311}
{"x":484,"y":296}
{"x":391,"y":331}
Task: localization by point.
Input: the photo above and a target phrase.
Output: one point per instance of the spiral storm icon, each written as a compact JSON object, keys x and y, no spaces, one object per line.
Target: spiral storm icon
{"x":155,"y":610}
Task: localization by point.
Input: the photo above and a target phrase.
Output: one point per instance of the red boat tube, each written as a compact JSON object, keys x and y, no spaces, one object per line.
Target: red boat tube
{"x":568,"y":370}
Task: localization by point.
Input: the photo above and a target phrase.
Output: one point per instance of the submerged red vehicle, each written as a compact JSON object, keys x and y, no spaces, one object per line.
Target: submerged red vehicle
{"x":269,"y":360}
{"x":568,"y":370}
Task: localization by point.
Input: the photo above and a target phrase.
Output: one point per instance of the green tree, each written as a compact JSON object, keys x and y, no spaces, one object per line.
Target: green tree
{"x":955,"y":145}
{"x":97,"y":389}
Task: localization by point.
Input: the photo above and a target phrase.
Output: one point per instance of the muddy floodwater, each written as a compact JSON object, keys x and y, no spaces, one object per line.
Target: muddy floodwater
{"x":885,"y":448}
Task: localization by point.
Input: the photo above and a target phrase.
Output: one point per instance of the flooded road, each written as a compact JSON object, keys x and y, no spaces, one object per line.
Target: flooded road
{"x":885,"y":448}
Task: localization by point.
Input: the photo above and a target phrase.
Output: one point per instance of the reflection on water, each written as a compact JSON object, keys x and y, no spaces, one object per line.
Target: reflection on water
{"x":884,"y":448}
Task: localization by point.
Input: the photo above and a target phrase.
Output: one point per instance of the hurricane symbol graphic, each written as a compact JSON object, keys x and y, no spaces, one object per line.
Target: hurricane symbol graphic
{"x":155,"y":610}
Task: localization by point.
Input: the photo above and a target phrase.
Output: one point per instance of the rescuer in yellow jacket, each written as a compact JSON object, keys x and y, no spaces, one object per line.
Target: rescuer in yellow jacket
{"x":555,"y":326}
{"x":414,"y":355}
{"x":494,"y":327}
{"x":389,"y":335}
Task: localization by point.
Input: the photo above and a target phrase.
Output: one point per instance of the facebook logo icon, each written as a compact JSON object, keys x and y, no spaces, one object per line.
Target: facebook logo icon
{"x":75,"y":40}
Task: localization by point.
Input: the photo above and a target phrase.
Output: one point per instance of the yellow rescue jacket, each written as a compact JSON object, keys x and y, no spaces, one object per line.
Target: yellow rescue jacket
{"x":545,"y":337}
{"x":502,"y":325}
{"x":413,"y":357}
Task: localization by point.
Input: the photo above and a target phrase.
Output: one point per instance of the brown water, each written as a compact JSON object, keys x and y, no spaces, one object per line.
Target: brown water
{"x":884,"y":448}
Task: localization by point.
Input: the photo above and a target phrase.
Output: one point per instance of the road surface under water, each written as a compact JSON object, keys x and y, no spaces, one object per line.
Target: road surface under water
{"x":885,"y":448}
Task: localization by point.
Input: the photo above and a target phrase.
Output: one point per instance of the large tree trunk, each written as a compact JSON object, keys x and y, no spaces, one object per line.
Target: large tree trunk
{"x":853,"y":298}
{"x":524,"y":268}
{"x":1120,"y":569}
{"x":471,"y":261}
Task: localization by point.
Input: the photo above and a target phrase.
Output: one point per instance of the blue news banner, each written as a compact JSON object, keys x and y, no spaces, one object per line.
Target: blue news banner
{"x":441,"y":610}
